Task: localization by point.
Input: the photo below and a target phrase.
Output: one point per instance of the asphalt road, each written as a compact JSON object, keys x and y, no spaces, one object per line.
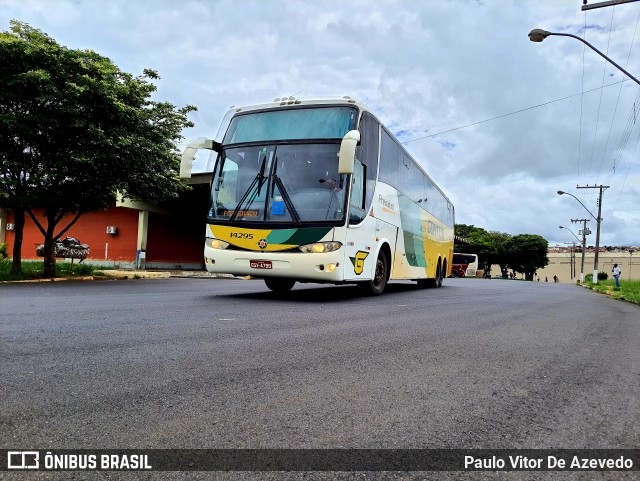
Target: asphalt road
{"x":219,"y":363}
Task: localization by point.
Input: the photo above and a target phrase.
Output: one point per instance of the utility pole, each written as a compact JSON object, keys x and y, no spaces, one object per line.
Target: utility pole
{"x":572,"y":259}
{"x":598,"y":222}
{"x":585,"y":232}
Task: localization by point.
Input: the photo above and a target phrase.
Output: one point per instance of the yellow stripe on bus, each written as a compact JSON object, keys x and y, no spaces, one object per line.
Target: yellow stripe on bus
{"x":250,"y":239}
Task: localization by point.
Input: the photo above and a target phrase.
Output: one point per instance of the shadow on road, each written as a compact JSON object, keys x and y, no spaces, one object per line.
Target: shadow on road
{"x":317,"y":293}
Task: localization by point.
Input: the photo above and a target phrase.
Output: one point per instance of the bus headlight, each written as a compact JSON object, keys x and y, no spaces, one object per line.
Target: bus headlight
{"x":319,"y":247}
{"x":216,"y":244}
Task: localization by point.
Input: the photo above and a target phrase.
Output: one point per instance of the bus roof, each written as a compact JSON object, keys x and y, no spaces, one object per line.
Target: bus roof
{"x":288,"y":101}
{"x":282,"y":103}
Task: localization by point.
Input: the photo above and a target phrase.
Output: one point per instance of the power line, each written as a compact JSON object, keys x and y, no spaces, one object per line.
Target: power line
{"x":511,"y":113}
{"x":631,"y":122}
{"x":624,"y":182}
{"x":584,"y":49}
{"x":615,"y":110}
{"x":604,"y":74}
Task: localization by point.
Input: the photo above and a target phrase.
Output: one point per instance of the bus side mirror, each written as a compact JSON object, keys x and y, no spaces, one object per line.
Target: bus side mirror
{"x":348,"y":152}
{"x":186,"y":163}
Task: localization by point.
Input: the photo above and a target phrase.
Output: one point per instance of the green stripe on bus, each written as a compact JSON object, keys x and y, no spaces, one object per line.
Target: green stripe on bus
{"x":308,"y":235}
{"x":280,"y":236}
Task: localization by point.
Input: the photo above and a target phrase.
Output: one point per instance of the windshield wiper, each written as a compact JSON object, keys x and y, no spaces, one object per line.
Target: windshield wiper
{"x":261,"y":173}
{"x":258,"y":179}
{"x":285,"y":194}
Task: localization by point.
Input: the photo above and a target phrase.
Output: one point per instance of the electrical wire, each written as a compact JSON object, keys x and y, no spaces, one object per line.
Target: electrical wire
{"x":511,"y":113}
{"x":618,"y":99}
{"x":624,"y":182}
{"x":584,"y":49}
{"x":604,"y":73}
{"x":624,"y":139}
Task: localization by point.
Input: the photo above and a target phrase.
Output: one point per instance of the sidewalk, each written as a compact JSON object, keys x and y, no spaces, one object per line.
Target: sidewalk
{"x":161,"y":274}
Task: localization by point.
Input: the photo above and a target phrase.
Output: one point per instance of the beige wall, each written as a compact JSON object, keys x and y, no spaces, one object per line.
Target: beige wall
{"x":559,"y":265}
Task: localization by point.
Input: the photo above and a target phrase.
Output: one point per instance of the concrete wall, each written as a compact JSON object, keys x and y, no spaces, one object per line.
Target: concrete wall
{"x":560,"y":265}
{"x":171,"y":241}
{"x":90,"y":229}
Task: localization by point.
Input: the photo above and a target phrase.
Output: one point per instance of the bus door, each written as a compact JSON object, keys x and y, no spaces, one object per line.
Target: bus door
{"x":360,"y":235}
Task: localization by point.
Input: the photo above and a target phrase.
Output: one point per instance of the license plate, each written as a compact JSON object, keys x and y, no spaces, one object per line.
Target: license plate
{"x":260,"y":264}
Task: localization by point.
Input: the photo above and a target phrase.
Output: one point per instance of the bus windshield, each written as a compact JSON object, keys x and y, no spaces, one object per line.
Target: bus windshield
{"x":286,"y":183}
{"x":292,"y":124}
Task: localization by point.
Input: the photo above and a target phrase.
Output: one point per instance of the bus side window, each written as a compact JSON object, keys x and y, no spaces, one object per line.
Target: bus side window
{"x":367,"y":152}
{"x":357,"y":212}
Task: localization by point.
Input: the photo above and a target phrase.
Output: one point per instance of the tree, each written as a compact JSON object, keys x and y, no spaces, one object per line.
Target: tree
{"x":499,"y":254}
{"x":489,"y":246}
{"x":527,"y":253}
{"x":74,"y":130}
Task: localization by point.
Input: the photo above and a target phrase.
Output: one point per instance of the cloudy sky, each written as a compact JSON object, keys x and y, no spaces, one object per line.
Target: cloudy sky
{"x":499,"y":122}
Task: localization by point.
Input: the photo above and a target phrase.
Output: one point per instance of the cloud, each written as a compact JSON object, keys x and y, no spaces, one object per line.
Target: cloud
{"x":423,"y":68}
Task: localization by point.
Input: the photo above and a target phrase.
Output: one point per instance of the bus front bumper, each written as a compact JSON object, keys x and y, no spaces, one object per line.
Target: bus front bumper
{"x":316,"y":267}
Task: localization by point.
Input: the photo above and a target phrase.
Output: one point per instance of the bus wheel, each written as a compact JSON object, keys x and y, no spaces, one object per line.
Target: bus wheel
{"x":375,"y":286}
{"x":437,"y":282}
{"x":443,"y":274}
{"x":278,"y":285}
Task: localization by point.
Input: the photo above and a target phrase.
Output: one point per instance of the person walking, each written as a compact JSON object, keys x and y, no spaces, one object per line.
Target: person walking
{"x":616,"y":274}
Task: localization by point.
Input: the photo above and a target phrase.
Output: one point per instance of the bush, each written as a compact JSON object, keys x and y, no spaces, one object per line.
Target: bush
{"x":3,"y":250}
{"x":602,"y":276}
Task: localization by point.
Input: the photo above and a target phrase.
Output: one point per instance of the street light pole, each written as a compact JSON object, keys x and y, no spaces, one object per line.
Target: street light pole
{"x":538,"y":35}
{"x":597,"y":219}
{"x":608,"y":3}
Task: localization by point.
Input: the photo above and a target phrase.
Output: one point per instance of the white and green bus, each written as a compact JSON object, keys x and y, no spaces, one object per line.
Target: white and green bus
{"x":318,"y":190}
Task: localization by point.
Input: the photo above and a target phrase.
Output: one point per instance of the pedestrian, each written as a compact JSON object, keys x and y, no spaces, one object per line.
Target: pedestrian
{"x":555,"y":279}
{"x":546,"y":279}
{"x":616,"y":274}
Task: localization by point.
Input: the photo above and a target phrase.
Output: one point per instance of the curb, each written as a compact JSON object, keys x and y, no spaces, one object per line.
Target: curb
{"x":114,"y":274}
{"x":121,"y":275}
{"x":51,"y":279}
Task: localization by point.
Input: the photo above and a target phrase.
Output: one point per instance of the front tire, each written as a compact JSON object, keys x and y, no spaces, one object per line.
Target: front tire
{"x":279,"y":285}
{"x":376,"y":286}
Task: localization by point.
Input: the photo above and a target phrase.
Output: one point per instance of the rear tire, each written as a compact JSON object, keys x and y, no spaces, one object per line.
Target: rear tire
{"x":443,"y":273}
{"x":376,"y":286}
{"x":433,"y":283}
{"x":279,"y":285}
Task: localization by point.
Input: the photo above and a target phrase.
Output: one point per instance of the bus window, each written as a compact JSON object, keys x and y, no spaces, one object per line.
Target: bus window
{"x":367,"y":152}
{"x":390,"y":155}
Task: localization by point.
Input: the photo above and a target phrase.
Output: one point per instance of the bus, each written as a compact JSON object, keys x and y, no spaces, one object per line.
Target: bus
{"x":464,"y":265}
{"x":318,"y":190}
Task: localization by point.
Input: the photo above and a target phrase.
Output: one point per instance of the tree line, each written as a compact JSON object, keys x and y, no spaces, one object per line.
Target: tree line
{"x":523,"y":253}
